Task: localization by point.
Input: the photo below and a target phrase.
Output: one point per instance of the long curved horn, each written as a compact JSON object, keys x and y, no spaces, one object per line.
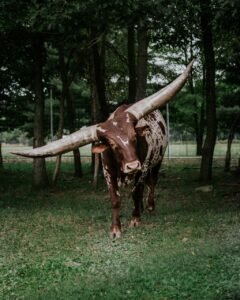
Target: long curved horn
{"x":149,"y":104}
{"x":84,"y":136}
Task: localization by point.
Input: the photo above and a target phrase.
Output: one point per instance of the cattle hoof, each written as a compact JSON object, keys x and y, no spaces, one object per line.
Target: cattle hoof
{"x":115,"y":233}
{"x":151,"y":209}
{"x":135,"y":222}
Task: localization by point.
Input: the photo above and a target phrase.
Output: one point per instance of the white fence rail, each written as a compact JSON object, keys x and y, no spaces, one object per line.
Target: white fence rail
{"x":176,"y":149}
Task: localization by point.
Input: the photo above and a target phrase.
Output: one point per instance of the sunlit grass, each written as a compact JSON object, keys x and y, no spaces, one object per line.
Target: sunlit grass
{"x":55,"y":244}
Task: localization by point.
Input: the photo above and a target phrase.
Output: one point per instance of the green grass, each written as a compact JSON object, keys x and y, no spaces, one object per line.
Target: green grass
{"x":55,"y":245}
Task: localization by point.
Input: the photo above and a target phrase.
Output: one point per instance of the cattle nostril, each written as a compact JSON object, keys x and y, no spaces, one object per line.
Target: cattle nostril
{"x":132,"y":166}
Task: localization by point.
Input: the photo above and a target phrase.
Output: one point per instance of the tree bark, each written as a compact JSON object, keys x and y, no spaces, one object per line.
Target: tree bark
{"x":199,"y":138}
{"x":95,"y":120}
{"x":142,"y":59}
{"x":100,"y":109}
{"x":1,"y":158}
{"x":57,"y":168}
{"x":65,"y":96}
{"x":40,"y":179}
{"x":98,"y":77}
{"x":71,"y":125}
{"x":229,"y":144}
{"x":198,"y":118}
{"x":131,"y":65}
{"x":201,"y":116}
{"x":97,"y":159}
{"x":211,"y":133}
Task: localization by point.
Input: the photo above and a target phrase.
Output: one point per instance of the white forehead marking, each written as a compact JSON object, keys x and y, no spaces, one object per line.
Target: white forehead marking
{"x":115,"y":123}
{"x":125,"y":143}
{"x":128,"y":118}
{"x":101,"y":129}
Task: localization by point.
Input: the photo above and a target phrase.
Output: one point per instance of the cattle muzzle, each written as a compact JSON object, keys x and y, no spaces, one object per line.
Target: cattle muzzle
{"x":132,"y":167}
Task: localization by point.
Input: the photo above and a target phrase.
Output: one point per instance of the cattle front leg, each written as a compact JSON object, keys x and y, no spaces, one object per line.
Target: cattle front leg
{"x":137,"y":195}
{"x":115,"y":231}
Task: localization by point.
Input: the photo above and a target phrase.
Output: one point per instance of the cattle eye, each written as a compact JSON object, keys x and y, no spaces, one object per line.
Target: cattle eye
{"x":112,"y":144}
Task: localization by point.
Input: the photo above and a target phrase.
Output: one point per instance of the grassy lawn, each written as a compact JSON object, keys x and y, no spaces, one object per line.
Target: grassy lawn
{"x":55,"y":244}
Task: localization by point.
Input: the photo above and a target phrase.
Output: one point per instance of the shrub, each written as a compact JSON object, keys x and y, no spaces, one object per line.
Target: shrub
{"x":15,"y":136}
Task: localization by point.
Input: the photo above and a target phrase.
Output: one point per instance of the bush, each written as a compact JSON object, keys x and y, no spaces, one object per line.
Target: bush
{"x":16,"y":136}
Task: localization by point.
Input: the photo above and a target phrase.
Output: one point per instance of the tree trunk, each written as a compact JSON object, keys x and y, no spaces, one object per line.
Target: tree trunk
{"x":199,"y":139}
{"x":201,"y":117}
{"x":63,"y":73}
{"x":229,"y":144}
{"x":65,"y":95}
{"x":77,"y":163}
{"x":97,"y":159}
{"x":40,"y":179}
{"x":198,"y":118}
{"x":142,"y":59}
{"x":131,"y":65}
{"x":100,"y":110}
{"x":57,"y":168}
{"x":1,"y":158}
{"x":210,"y":140}
{"x":95,"y":118}
{"x":71,"y":125}
{"x":98,"y":78}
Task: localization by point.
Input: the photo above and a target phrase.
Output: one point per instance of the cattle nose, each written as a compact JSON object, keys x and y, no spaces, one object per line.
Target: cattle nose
{"x":132,"y":167}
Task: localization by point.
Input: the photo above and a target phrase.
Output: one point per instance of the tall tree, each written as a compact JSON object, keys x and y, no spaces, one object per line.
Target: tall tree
{"x":97,"y":58}
{"x":100,"y":109}
{"x":211,"y":121}
{"x":40,"y":179}
{"x":71,"y":124}
{"x":56,"y":171}
{"x":1,"y":158}
{"x":131,"y":63}
{"x":142,"y":60}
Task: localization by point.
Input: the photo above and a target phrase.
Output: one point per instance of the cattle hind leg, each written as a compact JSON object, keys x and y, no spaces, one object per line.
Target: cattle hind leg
{"x":151,"y":182}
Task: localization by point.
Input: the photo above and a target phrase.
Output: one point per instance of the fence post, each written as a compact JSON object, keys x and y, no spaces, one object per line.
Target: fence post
{"x":168,"y":130}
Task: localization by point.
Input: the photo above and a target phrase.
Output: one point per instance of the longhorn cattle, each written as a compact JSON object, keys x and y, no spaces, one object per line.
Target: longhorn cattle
{"x":132,"y":142}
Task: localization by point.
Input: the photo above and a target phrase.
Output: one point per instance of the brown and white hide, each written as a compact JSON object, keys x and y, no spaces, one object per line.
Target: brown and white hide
{"x":134,"y":156}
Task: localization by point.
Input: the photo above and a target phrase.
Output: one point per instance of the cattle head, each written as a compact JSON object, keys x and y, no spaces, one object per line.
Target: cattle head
{"x":118,"y":133}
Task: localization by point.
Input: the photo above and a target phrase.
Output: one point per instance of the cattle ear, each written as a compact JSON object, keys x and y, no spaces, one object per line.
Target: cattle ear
{"x":99,"y":148}
{"x":141,"y":131}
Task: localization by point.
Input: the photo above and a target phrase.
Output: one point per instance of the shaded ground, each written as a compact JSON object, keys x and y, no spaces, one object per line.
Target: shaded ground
{"x":55,"y":244}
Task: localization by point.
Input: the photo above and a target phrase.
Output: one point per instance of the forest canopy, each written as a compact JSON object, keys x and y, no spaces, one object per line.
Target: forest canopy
{"x":75,"y":61}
